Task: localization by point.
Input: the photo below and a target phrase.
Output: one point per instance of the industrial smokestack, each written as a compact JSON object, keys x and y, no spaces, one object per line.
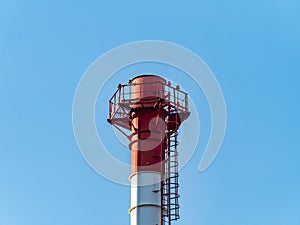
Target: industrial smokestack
{"x":152,"y":110}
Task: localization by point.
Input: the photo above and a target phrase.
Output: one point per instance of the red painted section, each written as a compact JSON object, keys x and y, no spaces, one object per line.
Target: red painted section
{"x":147,"y":124}
{"x":147,"y":141}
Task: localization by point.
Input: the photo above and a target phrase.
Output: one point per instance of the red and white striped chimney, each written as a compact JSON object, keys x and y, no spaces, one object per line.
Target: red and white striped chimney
{"x":152,"y":110}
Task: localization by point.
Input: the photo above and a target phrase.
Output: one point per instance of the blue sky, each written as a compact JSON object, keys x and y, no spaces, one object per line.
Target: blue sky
{"x":251,"y":46}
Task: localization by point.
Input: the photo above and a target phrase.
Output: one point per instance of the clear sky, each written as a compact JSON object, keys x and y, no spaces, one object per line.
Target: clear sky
{"x":253,"y":47}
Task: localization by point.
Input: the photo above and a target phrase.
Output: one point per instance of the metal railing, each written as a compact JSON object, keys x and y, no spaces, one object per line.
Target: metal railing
{"x":124,"y":97}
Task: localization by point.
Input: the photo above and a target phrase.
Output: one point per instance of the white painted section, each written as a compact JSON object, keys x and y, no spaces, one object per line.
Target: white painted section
{"x":145,"y":198}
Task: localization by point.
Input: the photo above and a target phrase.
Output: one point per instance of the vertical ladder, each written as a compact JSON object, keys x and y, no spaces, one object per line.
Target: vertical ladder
{"x":169,"y":184}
